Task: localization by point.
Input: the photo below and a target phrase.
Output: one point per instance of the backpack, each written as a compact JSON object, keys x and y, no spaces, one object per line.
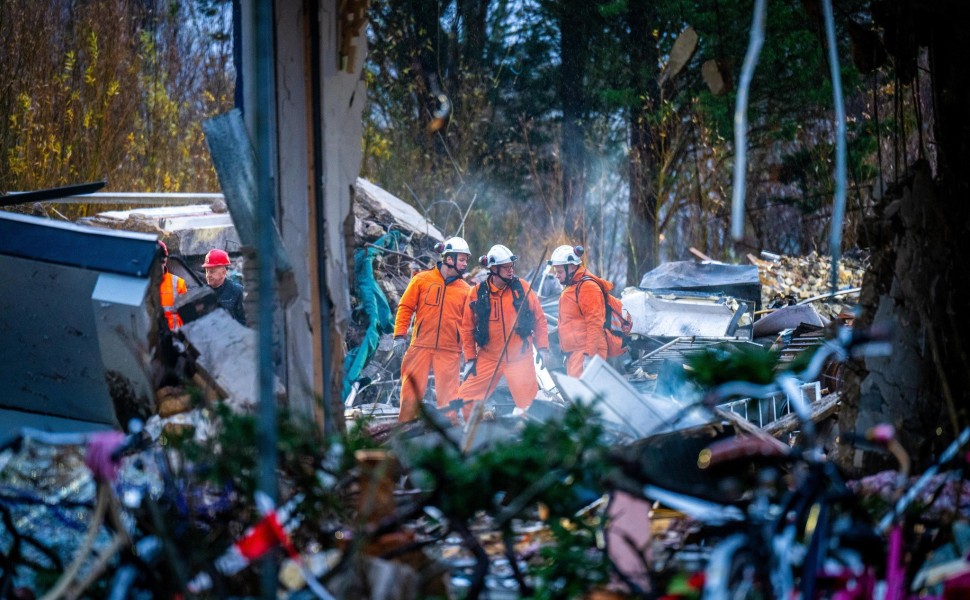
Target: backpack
{"x":618,"y":322}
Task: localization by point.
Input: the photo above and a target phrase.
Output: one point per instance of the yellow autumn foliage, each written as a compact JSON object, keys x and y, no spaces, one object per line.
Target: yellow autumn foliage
{"x":108,"y":90}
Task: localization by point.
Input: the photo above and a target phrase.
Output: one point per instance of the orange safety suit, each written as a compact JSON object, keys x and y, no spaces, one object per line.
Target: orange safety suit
{"x":582,"y":312}
{"x":516,"y":365}
{"x":437,"y":307}
{"x":171,"y":288}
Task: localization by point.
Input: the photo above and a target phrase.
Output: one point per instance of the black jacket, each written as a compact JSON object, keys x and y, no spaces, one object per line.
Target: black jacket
{"x":230,"y":297}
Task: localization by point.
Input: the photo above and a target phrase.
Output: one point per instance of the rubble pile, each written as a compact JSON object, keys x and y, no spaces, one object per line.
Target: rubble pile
{"x":787,"y":280}
{"x":397,"y":241}
{"x":377,"y":213}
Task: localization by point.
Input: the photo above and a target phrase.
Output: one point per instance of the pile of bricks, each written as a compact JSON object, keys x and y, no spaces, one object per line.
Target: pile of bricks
{"x":793,"y":279}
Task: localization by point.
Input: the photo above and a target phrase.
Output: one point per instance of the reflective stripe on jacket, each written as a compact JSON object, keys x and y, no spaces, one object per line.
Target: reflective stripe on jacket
{"x":582,"y":314}
{"x":171,"y":288}
{"x":437,"y":309}
{"x":501,"y":322}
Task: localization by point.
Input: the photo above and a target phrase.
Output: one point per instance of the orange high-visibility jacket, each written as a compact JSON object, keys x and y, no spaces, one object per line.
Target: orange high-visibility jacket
{"x":581,"y":316}
{"x":501,"y":321}
{"x":171,"y":288}
{"x":437,"y":310}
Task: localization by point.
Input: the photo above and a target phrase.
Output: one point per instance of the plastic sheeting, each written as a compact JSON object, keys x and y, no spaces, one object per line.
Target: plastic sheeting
{"x":738,"y":281}
{"x":374,"y":304}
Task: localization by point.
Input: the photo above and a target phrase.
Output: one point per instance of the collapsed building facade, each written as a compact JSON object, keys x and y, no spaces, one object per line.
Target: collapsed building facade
{"x":325,"y":328}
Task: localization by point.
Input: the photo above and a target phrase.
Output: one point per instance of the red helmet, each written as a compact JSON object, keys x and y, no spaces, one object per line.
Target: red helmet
{"x":216,"y":258}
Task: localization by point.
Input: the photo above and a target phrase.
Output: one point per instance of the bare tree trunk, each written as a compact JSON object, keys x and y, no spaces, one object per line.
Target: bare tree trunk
{"x":574,"y":44}
{"x":642,"y":233}
{"x":473,"y":14}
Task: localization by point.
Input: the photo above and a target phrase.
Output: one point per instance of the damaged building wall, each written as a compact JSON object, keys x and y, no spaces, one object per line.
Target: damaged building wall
{"x":319,"y":50}
{"x":343,"y":46}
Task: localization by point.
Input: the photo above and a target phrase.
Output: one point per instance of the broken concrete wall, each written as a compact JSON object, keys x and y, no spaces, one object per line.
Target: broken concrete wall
{"x":225,"y":352}
{"x":188,"y":231}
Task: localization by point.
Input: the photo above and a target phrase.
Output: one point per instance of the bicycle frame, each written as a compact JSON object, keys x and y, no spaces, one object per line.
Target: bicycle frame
{"x":790,"y":566}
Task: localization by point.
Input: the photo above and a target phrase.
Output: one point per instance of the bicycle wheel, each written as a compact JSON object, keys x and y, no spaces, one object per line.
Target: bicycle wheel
{"x":736,"y":571}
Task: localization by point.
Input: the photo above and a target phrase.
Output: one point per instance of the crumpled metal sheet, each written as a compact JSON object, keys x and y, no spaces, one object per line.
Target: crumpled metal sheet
{"x":787,"y":317}
{"x":621,"y":405}
{"x":738,"y":281}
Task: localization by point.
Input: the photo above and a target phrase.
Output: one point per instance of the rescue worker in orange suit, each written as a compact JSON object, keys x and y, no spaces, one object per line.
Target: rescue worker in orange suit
{"x":172,"y":287}
{"x":495,"y":342}
{"x":229,"y":294}
{"x":436,"y":299}
{"x":582,"y":309}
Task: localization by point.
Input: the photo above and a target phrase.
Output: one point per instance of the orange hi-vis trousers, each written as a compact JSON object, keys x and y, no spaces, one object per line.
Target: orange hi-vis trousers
{"x":417,"y":363}
{"x":520,"y":375}
{"x":574,"y":364}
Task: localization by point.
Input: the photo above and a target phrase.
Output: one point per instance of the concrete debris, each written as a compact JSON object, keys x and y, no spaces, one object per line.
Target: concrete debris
{"x":792,"y":279}
{"x":374,"y":205}
{"x":189,"y":231}
{"x":225,"y":355}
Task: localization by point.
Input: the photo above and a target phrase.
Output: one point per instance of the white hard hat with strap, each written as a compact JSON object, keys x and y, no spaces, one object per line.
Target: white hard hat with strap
{"x":567,"y":255}
{"x":498,"y":255}
{"x":453,"y":245}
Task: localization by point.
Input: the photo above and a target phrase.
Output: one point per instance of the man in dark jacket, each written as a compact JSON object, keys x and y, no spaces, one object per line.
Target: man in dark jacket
{"x":228,"y":292}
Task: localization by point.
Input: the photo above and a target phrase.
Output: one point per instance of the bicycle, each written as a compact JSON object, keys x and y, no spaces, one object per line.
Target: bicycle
{"x":732,"y":519}
{"x":815,"y":540}
{"x":790,"y":538}
{"x":910,"y":534}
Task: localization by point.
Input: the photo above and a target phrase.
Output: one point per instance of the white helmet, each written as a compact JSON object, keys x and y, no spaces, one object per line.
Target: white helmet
{"x":567,"y":255}
{"x":453,"y":245}
{"x":498,"y":255}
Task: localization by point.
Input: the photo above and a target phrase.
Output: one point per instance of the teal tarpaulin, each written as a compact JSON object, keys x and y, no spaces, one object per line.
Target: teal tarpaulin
{"x":375,"y":306}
